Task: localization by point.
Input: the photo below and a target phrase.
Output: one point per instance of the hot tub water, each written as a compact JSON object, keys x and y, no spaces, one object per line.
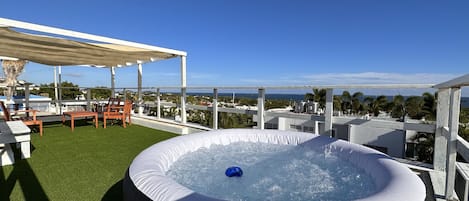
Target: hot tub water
{"x":271,"y":172}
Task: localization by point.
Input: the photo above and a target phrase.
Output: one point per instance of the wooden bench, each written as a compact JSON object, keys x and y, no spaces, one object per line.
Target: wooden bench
{"x":14,"y":132}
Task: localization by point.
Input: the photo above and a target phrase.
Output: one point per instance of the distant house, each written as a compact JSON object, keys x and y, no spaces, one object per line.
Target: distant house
{"x":36,"y":102}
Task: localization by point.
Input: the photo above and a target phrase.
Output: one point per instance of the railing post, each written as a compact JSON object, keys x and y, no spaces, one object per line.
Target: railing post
{"x":158,"y":103}
{"x":124,"y":91}
{"x":451,"y":153}
{"x":183,"y":105}
{"x":139,"y":91}
{"x":215,"y":108}
{"x":329,"y":112}
{"x":88,"y":99}
{"x":442,"y":114}
{"x":26,"y":95}
{"x":260,"y":108}
{"x":316,"y":127}
{"x":183,"y":89}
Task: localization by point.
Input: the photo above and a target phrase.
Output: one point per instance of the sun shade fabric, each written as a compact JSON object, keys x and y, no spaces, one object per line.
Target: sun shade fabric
{"x":64,"y":52}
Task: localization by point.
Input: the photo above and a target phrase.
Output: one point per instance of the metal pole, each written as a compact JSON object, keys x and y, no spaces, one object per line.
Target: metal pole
{"x":158,"y":103}
{"x":139,"y":91}
{"x":329,"y":112}
{"x":60,"y":90}
{"x":56,"y":91}
{"x":260,"y":108}
{"x":113,"y":82}
{"x":88,"y":99}
{"x":454,"y":108}
{"x":26,"y":95}
{"x":215,"y":108}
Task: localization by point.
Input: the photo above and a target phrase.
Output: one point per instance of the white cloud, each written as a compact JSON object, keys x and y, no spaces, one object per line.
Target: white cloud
{"x":202,"y":76}
{"x":377,"y":78}
{"x":353,"y":78}
{"x":76,"y":75}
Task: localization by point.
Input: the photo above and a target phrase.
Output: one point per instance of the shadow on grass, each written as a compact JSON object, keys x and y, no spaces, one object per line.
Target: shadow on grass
{"x":24,"y":175}
{"x":78,"y":123}
{"x":114,"y":193}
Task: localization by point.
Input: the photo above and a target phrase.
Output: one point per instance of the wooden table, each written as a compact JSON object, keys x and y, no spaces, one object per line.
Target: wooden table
{"x":74,"y":115}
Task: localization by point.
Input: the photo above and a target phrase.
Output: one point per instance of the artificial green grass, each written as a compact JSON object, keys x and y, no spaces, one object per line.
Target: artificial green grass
{"x":87,"y":164}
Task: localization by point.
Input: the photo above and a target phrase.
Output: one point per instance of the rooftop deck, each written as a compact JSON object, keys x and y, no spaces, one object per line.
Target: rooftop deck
{"x":87,"y":164}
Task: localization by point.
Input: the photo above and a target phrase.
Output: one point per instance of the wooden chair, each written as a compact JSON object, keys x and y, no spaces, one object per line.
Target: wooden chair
{"x":27,"y":120}
{"x":113,"y":105}
{"x":122,"y":114}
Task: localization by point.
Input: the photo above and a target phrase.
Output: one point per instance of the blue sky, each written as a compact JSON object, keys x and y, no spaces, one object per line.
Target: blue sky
{"x":267,"y":42}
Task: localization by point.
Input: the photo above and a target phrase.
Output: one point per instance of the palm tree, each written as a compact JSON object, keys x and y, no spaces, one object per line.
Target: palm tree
{"x":309,"y":97}
{"x":346,"y":101}
{"x":356,"y":102}
{"x":337,"y":104}
{"x":413,"y":106}
{"x":376,"y":105}
{"x":398,"y":107}
{"x":368,"y":104}
{"x":429,"y":105}
{"x":320,"y":97}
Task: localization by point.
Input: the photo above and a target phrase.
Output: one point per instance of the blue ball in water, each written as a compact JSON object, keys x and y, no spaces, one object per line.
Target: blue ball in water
{"x":234,"y":172}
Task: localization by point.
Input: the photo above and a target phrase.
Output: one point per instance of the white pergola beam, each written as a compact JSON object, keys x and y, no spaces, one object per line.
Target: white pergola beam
{"x":75,"y":34}
{"x":456,"y":82}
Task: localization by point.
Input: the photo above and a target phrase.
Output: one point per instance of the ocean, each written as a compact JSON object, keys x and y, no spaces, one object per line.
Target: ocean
{"x":293,"y":97}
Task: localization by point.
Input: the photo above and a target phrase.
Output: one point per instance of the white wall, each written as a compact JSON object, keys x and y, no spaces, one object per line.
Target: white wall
{"x":393,"y":140}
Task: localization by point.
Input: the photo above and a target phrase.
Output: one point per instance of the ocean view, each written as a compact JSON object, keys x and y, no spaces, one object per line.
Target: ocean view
{"x":296,"y":97}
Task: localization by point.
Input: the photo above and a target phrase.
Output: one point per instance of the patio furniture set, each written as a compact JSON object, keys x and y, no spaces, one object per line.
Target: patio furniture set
{"x":15,"y":128}
{"x":113,"y":111}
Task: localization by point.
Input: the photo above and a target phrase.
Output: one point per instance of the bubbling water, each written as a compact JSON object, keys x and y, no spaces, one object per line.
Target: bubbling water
{"x":271,"y":172}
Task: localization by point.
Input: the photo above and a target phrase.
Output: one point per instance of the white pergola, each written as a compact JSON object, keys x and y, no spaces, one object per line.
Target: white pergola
{"x":60,"y":47}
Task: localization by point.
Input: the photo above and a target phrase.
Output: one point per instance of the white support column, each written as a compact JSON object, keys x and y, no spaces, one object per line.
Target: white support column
{"x":113,"y":82}
{"x":56,"y":91}
{"x":215,"y":108}
{"x":329,"y":112}
{"x":442,"y":114}
{"x":454,"y":108}
{"x":60,"y":90}
{"x":158,"y":103}
{"x":260,"y":109}
{"x":183,"y":90}
{"x":26,"y":95}
{"x":88,"y":100}
{"x":139,"y":91}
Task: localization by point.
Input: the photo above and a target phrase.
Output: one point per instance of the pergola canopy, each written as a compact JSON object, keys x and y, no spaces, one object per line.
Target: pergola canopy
{"x":55,"y":51}
{"x":56,"y":48}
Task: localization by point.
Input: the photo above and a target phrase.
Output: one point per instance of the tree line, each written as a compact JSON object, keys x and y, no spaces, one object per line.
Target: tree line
{"x":415,"y":107}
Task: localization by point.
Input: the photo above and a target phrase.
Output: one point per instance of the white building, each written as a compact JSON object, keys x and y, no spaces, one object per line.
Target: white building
{"x":390,"y":141}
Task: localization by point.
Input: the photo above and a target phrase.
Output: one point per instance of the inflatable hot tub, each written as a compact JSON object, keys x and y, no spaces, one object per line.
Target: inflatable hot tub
{"x":146,"y":178}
